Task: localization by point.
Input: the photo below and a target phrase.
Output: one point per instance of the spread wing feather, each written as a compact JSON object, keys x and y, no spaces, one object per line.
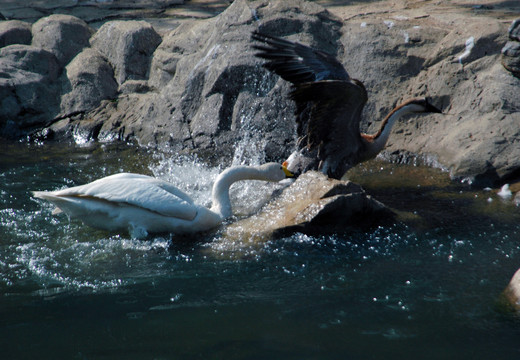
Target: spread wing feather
{"x":297,"y":63}
{"x":328,"y":102}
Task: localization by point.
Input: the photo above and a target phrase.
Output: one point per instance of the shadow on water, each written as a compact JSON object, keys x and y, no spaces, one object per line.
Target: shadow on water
{"x":425,"y":198}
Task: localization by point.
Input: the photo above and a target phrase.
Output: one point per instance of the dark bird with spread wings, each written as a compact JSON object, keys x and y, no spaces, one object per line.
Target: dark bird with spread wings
{"x":329,"y":104}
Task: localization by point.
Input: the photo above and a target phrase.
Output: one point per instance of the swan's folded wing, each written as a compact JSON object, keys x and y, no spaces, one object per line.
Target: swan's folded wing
{"x":137,"y":190}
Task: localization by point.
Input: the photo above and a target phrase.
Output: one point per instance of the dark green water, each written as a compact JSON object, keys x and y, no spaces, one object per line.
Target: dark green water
{"x":424,"y":289}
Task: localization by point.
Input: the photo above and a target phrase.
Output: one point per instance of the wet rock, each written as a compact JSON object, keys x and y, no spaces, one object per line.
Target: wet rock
{"x":512,"y":292}
{"x":90,"y":79}
{"x":63,"y":35}
{"x":128,"y":46}
{"x":15,"y":32}
{"x":313,"y":204}
{"x":29,"y":94}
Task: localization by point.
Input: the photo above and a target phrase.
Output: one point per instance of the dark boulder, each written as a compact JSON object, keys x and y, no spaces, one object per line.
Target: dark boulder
{"x":29,"y":93}
{"x":128,"y":46}
{"x":63,"y":35}
{"x":89,"y":80}
{"x":15,"y":32}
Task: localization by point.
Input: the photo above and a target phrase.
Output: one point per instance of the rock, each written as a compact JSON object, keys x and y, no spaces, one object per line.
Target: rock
{"x":511,"y":51}
{"x":134,"y":86}
{"x":511,"y":57}
{"x":29,"y":95}
{"x":15,"y":32}
{"x":90,"y":79}
{"x":514,"y":30}
{"x":128,"y":46}
{"x":313,"y":204}
{"x":63,"y":35}
{"x":212,"y":92}
{"x":512,"y":292}
{"x":474,"y":139}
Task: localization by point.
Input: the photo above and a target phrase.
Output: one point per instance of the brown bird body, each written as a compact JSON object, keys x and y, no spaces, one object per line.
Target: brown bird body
{"x":329,"y":104}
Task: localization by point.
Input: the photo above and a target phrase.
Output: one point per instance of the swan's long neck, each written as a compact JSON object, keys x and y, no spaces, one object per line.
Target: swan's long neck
{"x":376,"y":142}
{"x":220,"y":194}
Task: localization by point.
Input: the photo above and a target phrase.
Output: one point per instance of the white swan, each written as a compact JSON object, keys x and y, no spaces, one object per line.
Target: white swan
{"x":142,"y":204}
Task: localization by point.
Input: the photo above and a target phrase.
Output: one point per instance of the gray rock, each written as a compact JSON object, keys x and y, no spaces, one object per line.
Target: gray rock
{"x":28,"y":91}
{"x":134,"y":86}
{"x":213,"y":90}
{"x":63,"y":35}
{"x":313,"y":204}
{"x":15,"y":32}
{"x":128,"y":46}
{"x":474,"y":140}
{"x":89,"y":79}
{"x":511,"y":57}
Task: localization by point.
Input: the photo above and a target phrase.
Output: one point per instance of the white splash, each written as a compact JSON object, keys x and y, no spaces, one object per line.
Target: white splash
{"x":187,"y":173}
{"x":363,"y":24}
{"x":504,"y":192}
{"x":81,"y":137}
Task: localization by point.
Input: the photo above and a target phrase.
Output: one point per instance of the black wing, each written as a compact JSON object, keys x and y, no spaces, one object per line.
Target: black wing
{"x":328,"y":102}
{"x":297,"y":63}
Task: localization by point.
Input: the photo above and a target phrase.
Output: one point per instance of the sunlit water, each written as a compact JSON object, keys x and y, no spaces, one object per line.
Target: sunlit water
{"x":426,"y":287}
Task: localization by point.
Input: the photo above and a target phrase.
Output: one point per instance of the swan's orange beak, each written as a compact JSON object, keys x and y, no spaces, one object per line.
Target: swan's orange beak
{"x":287,"y":172}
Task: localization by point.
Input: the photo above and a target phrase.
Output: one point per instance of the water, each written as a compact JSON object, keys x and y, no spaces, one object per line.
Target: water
{"x":426,"y":287}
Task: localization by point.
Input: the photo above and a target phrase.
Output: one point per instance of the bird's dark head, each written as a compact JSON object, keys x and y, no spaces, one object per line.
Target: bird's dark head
{"x":422,"y":105}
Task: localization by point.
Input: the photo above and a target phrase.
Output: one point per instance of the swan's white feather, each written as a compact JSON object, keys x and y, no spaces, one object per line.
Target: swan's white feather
{"x":136,"y":190}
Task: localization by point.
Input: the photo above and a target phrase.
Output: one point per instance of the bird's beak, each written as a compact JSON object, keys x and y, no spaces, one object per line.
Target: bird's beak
{"x":287,"y":172}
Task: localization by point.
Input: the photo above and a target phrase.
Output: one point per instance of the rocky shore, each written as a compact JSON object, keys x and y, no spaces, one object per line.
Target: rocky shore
{"x":188,"y":80}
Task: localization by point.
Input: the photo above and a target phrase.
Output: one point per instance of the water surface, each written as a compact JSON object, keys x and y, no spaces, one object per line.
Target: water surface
{"x":426,"y":287}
